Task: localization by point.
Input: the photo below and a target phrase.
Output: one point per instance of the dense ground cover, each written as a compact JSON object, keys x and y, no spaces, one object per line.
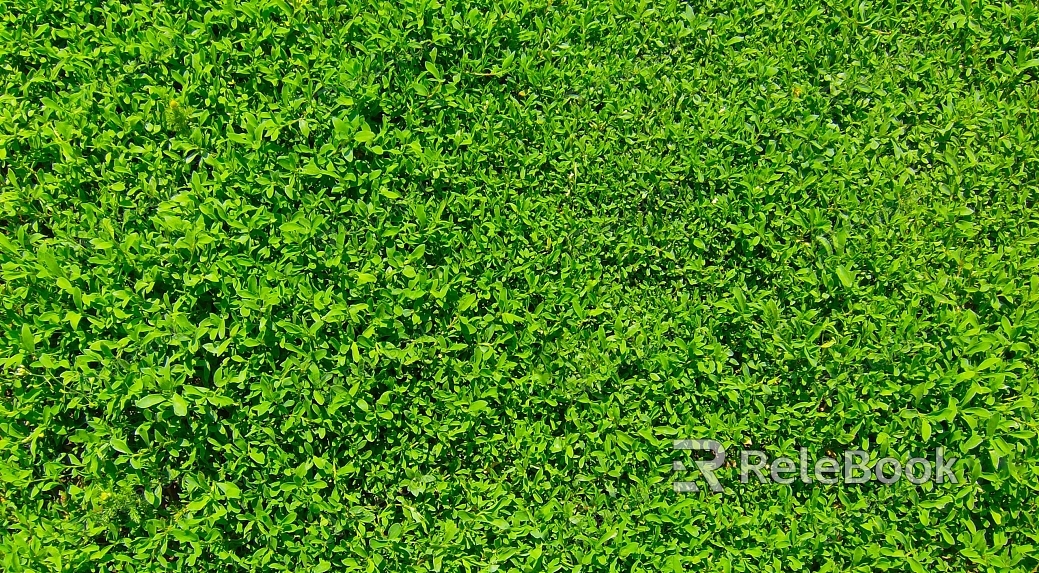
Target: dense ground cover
{"x":434,"y":285}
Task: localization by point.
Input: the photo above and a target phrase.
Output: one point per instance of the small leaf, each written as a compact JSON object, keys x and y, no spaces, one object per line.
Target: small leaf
{"x":230,"y":490}
{"x":1008,"y":328}
{"x":847,"y":277}
{"x":466,"y":301}
{"x":28,"y":342}
{"x":971,"y":443}
{"x":432,"y":69}
{"x":1033,"y":63}
{"x":120,"y":446}
{"x":365,"y":278}
{"x":180,"y":406}
{"x":500,"y":523}
{"x":150,"y":400}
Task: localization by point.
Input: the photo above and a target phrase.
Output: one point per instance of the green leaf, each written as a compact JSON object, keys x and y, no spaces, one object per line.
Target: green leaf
{"x":7,"y":245}
{"x":466,"y":302}
{"x":500,"y":523}
{"x":365,"y":278}
{"x":180,"y":406}
{"x":28,"y":342}
{"x":120,"y":446}
{"x":971,"y":443}
{"x":150,"y":400}
{"x":231,"y":491}
{"x":1033,"y":63}
{"x":847,"y":277}
{"x":432,"y":69}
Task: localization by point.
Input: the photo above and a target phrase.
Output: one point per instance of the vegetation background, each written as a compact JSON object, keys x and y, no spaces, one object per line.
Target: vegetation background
{"x":433,"y":285}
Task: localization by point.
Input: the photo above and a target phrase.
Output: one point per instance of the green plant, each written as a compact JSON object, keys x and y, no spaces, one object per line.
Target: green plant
{"x":433,"y":285}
